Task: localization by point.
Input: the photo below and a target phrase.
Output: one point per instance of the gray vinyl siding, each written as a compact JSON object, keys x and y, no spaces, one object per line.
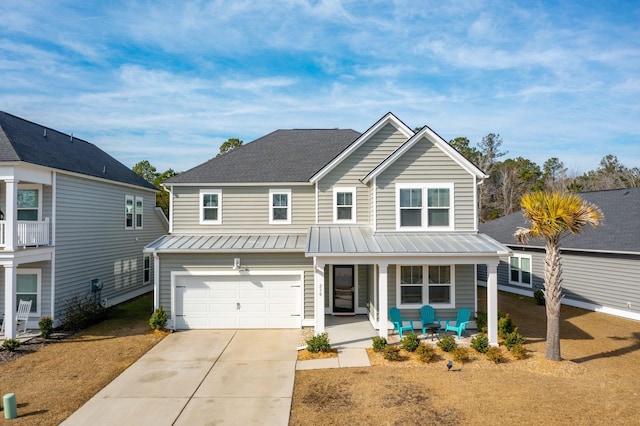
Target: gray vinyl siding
{"x":425,"y":163}
{"x":45,"y":285}
{"x":244,"y":209}
{"x":170,"y":262}
{"x":465,"y":284}
{"x":362,"y":286}
{"x":371,"y":292}
{"x":353,"y":168}
{"x":92,"y":242}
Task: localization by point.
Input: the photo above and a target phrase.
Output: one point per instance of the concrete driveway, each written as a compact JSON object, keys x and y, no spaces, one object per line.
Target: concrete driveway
{"x":202,"y":377}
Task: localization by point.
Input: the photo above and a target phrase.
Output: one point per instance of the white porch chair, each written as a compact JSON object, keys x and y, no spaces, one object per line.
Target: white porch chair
{"x":22,"y":317}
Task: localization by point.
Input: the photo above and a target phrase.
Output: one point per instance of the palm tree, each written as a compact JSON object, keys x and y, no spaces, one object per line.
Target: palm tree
{"x":553,"y":216}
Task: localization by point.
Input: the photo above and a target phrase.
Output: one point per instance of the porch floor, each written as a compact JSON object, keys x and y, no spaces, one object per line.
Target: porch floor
{"x":22,"y":337}
{"x":349,"y":331}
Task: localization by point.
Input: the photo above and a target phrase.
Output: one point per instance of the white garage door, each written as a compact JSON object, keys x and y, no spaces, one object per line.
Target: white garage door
{"x":238,"y":302}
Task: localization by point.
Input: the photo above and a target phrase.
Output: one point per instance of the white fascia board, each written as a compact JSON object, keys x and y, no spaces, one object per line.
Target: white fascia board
{"x":434,"y":138}
{"x":389,"y":118}
{"x":404,"y":259}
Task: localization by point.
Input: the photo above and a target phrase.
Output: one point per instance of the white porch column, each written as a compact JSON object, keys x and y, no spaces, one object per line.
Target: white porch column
{"x":318,"y":299}
{"x":10,"y":302}
{"x":492,"y":303}
{"x":11,"y":223}
{"x":383,"y":294}
{"x":156,"y":281}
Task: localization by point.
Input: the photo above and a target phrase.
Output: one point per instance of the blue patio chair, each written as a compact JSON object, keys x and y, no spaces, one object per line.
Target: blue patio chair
{"x":464,"y":315}
{"x":429,"y":320}
{"x":398,"y":321}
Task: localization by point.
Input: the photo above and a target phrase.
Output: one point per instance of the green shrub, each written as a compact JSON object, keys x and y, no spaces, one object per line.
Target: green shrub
{"x":319,"y":343}
{"x":480,"y":343}
{"x":158,"y":320}
{"x":10,"y":345}
{"x":410,"y":342}
{"x":519,"y":351}
{"x":379,"y":343}
{"x":391,"y":353}
{"x":495,"y":354}
{"x":447,"y":343}
{"x":461,"y":354}
{"x":513,"y":338}
{"x":539,"y":296}
{"x":505,"y":326}
{"x":425,"y":353}
{"x":81,"y":312}
{"x":46,"y":327}
{"x":481,"y":321}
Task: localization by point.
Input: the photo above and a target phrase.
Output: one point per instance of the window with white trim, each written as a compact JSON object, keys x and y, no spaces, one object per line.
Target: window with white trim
{"x":210,"y":206}
{"x":344,"y":204}
{"x":280,"y":206}
{"x":520,"y":269}
{"x":129,"y":210}
{"x":146,"y":269}
{"x":418,"y":285}
{"x":139,"y":212}
{"x":413,"y":213}
{"x":28,"y":285}
{"x":29,"y":202}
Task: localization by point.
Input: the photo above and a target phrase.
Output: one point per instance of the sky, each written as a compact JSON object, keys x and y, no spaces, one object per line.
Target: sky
{"x":169,"y":81}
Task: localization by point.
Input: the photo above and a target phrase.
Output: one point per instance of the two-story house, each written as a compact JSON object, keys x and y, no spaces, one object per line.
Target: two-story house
{"x":300,"y":224}
{"x":73,"y":223}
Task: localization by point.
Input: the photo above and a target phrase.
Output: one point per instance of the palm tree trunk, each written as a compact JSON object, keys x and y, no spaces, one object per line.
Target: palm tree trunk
{"x":553,"y":297}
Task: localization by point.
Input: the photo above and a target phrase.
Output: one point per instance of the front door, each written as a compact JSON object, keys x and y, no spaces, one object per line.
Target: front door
{"x":343,"y":288}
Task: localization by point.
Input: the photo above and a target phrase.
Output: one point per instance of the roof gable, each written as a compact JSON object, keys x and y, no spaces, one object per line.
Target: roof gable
{"x":22,"y":140}
{"x":620,"y":230}
{"x":281,"y":156}
{"x":389,"y":118}
{"x":437,"y":141}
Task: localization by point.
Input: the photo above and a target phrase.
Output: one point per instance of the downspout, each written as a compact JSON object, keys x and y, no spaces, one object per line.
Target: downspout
{"x":156,"y":280}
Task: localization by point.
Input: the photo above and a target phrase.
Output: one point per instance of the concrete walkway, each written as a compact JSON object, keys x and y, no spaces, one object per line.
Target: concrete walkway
{"x":202,"y":377}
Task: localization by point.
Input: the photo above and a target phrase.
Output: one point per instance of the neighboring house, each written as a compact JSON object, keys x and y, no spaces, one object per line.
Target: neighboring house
{"x":600,"y":265}
{"x":300,"y":224}
{"x":73,"y":223}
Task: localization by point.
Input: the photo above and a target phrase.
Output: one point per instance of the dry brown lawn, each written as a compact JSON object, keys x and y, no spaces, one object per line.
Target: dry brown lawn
{"x":596,"y":383}
{"x":53,"y":379}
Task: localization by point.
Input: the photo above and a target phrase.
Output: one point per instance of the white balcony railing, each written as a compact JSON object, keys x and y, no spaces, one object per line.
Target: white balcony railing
{"x":30,"y":233}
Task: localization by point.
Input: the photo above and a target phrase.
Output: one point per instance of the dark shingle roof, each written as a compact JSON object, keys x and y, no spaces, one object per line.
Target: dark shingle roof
{"x":280,"y":156}
{"x":22,"y":140}
{"x":620,"y":230}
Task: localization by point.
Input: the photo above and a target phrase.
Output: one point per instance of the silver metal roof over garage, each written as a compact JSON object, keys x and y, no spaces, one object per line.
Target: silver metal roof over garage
{"x":356,"y":240}
{"x":229,"y":242}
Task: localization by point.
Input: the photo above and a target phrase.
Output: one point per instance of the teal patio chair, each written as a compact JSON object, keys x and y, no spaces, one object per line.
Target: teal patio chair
{"x":429,"y":320}
{"x":398,"y":322}
{"x":464,"y":315}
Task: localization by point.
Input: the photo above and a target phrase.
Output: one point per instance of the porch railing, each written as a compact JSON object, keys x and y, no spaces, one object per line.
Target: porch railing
{"x":30,"y":233}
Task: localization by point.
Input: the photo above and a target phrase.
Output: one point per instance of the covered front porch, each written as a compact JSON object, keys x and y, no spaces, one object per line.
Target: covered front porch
{"x":404,"y":270}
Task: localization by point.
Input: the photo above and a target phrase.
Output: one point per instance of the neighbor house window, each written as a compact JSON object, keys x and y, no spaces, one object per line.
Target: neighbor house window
{"x":128,"y":211}
{"x":139,"y":211}
{"x":211,"y":206}
{"x":344,"y":205}
{"x":520,"y":269}
{"x":146,"y":270}
{"x":280,"y":206}
{"x":29,"y":203}
{"x":424,"y":206}
{"x":419,"y":285}
{"x":28,"y":287}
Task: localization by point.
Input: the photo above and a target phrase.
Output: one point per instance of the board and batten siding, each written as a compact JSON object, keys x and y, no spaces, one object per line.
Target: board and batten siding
{"x":170,"y":262}
{"x":244,"y":209}
{"x":353,"y":168}
{"x":425,"y":163}
{"x":92,"y":242}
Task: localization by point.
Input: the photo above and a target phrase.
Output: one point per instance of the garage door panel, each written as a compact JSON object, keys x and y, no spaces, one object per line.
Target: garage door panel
{"x":238,"y":302}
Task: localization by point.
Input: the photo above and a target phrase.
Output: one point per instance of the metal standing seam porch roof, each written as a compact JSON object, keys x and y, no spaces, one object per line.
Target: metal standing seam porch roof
{"x":361,"y":241}
{"x":228,"y":243}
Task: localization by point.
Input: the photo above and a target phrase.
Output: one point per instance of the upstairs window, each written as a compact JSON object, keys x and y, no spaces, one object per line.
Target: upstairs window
{"x":210,"y":206}
{"x":28,"y":203}
{"x":139,"y":211}
{"x":414,"y":214}
{"x":520,"y":269}
{"x":344,"y":205}
{"x":128,"y":211}
{"x":280,"y":206}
